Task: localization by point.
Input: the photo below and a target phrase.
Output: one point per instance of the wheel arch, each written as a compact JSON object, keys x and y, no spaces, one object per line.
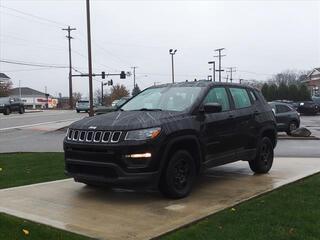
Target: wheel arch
{"x":188,"y":143}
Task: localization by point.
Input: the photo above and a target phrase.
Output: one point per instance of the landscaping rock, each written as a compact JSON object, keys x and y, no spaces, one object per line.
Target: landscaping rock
{"x":301,"y":132}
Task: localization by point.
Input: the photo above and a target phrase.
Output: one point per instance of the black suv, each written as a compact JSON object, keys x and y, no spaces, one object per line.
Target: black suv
{"x":168,"y":134}
{"x":10,"y":104}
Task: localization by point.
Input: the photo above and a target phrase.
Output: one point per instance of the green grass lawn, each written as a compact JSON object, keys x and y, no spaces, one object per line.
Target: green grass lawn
{"x":13,"y":228}
{"x":18,"y":169}
{"x":291,"y":212}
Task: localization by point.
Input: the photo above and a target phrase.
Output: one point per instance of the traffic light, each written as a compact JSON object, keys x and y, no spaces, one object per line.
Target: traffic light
{"x":122,"y":75}
{"x":110,"y":83}
{"x":103,"y":75}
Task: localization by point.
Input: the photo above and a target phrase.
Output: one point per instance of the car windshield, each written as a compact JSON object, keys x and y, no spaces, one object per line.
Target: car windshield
{"x":4,"y":100}
{"x":163,"y":99}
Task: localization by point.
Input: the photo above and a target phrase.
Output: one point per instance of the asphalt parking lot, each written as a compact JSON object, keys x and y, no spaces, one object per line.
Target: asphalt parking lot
{"x":35,"y":131}
{"x":120,"y":214}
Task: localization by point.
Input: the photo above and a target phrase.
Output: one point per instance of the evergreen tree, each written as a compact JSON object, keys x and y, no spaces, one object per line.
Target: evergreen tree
{"x":135,"y":90}
{"x":293,"y":93}
{"x":304,"y":93}
{"x":265,"y":91}
{"x":273,"y":92}
{"x":283,"y":91}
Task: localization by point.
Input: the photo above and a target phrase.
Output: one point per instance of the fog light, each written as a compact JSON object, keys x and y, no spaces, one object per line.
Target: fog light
{"x":139,"y":155}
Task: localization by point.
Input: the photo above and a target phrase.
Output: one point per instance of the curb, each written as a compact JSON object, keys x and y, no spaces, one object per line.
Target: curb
{"x":297,"y":138}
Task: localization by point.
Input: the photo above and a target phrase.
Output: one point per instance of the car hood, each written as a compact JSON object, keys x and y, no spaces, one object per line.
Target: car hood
{"x":127,"y":120}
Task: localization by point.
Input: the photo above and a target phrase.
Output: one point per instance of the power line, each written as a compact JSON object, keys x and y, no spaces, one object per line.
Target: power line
{"x":34,"y":16}
{"x":31,"y":64}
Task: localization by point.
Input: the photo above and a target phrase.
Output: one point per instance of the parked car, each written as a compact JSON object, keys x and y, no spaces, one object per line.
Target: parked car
{"x":288,"y":119}
{"x":293,"y":104}
{"x":82,"y":106}
{"x":103,"y":109}
{"x":309,"y":107}
{"x":10,"y":104}
{"x":167,"y":135}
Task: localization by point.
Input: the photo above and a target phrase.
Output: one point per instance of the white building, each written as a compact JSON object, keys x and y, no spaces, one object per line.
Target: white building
{"x":33,"y":98}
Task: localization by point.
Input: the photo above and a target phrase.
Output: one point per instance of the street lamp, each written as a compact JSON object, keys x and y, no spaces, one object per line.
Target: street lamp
{"x":172,"y":52}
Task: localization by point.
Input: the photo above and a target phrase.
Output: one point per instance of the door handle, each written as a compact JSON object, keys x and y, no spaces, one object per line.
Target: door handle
{"x":231,"y":116}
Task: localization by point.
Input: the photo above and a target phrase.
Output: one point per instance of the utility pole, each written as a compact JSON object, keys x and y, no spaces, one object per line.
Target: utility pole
{"x":89,"y":59}
{"x":69,"y":29}
{"x":231,"y":70}
{"x":213,"y":70}
{"x":219,"y":56}
{"x":134,"y":76}
{"x":172,"y":52}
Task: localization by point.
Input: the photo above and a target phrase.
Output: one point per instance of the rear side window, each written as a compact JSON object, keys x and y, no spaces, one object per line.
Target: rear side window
{"x":218,"y":95}
{"x":282,"y":109}
{"x":253,"y":96}
{"x":240,"y":97}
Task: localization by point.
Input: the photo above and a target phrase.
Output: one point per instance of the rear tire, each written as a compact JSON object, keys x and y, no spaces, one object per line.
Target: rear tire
{"x":21,"y":110}
{"x":292,"y":126}
{"x":178,"y":177}
{"x":262,"y":163}
{"x":6,"y":111}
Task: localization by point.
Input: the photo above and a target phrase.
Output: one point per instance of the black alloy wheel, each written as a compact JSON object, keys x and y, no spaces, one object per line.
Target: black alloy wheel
{"x":178,"y":177}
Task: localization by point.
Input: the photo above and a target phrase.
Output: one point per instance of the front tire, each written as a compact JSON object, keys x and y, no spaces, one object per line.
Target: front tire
{"x":21,"y":110}
{"x":178,"y":177}
{"x":262,"y":163}
{"x":6,"y":111}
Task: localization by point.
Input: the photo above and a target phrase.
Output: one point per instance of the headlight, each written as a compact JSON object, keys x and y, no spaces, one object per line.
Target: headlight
{"x":143,"y":134}
{"x":1,"y":105}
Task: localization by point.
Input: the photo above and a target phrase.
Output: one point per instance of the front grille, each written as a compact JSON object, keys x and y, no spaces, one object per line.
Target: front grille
{"x":75,"y":135}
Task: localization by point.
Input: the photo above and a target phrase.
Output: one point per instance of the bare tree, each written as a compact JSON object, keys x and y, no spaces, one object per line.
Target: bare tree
{"x":118,"y":91}
{"x":76,"y":97}
{"x":5,"y":88}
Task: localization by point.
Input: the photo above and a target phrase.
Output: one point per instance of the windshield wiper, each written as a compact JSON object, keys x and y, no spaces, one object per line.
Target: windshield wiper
{"x":149,"y":109}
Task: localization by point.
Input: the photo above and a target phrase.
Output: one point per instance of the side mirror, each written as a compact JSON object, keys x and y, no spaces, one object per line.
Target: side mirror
{"x":212,"y":108}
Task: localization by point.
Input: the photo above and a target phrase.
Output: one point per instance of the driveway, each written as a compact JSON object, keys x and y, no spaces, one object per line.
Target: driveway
{"x":123,"y":214}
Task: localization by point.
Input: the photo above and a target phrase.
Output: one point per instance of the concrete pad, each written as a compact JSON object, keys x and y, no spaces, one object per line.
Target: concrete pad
{"x":120,"y":214}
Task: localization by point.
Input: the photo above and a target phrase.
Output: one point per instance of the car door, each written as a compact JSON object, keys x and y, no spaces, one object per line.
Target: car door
{"x":245,"y":122}
{"x":282,"y":116}
{"x":218,"y":129}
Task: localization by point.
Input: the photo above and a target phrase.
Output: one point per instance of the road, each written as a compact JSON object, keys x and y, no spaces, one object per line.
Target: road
{"x":37,"y":132}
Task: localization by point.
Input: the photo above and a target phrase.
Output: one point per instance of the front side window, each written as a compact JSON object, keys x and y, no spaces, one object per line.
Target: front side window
{"x":240,"y":97}
{"x":282,"y":109}
{"x":218,"y":95}
{"x":164,"y":98}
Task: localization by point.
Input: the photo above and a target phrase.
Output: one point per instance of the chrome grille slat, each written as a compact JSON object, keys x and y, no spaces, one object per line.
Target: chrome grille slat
{"x":103,"y":137}
{"x":114,"y":137}
{"x":84,"y":134}
{"x":89,"y":133}
{"x":95,"y":136}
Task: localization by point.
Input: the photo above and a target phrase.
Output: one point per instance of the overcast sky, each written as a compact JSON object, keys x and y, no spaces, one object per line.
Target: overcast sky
{"x":261,"y":38}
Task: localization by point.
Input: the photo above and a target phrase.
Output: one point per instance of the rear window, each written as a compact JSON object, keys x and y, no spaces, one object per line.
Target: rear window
{"x":240,"y":97}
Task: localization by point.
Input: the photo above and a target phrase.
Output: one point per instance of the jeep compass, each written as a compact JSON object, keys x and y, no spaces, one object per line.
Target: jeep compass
{"x":168,"y":134}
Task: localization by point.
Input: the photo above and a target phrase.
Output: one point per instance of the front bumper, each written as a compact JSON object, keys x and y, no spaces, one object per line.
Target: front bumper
{"x":108,"y":164}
